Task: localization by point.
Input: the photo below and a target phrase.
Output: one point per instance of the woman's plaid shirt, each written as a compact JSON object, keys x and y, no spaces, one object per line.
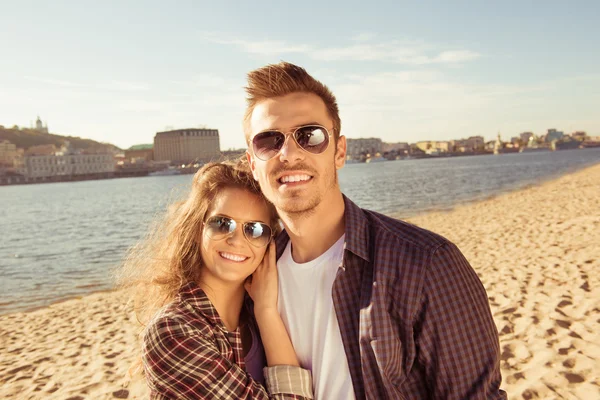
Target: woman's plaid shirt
{"x":189,"y":354}
{"x":413,"y":315}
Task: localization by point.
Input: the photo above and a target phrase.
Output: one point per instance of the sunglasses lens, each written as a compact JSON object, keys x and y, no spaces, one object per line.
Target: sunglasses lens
{"x":313,"y":139}
{"x":257,"y":233}
{"x":267,"y":144}
{"x":220,"y":226}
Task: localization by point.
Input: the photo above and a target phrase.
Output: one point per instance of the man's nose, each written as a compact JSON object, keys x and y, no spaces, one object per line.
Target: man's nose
{"x":291,"y":151}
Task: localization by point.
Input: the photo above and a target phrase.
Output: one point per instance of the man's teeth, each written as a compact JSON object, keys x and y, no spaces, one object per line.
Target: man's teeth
{"x":294,"y":178}
{"x":233,"y":257}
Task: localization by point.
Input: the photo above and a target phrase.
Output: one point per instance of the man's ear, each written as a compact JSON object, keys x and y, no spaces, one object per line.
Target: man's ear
{"x":252,"y":164}
{"x":340,"y":152}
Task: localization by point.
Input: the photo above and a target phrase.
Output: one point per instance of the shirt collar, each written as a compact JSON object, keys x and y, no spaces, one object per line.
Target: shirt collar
{"x":357,"y":229}
{"x":357,"y":232}
{"x":193,"y":295}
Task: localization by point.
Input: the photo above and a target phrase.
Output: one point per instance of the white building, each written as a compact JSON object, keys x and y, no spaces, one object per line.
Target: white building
{"x":67,"y":162}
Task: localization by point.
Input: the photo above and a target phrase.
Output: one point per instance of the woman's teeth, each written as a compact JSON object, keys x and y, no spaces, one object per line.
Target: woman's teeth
{"x":232,"y":257}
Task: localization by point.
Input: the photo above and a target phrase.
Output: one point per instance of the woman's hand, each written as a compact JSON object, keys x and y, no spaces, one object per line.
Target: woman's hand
{"x":262,"y":286}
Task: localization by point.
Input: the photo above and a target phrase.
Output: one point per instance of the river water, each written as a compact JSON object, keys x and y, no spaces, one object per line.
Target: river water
{"x":61,"y":240}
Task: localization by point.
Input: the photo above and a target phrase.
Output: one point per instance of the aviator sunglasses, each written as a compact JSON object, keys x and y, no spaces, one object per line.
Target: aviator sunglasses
{"x":313,"y":139}
{"x":257,"y":234}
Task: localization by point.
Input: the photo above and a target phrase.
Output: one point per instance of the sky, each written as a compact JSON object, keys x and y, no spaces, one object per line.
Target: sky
{"x":120,"y":71}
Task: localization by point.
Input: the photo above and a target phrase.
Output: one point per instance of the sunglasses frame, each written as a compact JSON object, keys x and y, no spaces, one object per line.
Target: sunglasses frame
{"x":292,"y":133}
{"x":242,"y":225}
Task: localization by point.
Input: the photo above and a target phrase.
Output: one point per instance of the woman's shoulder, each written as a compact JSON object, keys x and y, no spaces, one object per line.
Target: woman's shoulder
{"x":178,"y":319}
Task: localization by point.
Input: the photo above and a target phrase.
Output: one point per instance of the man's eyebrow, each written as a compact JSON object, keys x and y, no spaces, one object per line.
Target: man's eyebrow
{"x":308,"y":123}
{"x":274,"y":128}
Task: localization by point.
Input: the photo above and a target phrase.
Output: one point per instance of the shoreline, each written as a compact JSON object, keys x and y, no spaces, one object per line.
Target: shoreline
{"x":534,"y":249}
{"x":492,"y":196}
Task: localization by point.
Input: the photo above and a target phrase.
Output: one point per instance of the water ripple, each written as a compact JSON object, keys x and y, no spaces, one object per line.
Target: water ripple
{"x":63,"y":239}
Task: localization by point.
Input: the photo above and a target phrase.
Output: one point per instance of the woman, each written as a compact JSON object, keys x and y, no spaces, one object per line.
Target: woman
{"x":192,"y":273}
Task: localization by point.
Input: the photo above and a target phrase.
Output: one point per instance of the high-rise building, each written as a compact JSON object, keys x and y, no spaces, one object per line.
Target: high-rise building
{"x":184,"y":146}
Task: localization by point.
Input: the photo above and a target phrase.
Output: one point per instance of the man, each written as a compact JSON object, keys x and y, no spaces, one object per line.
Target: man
{"x":401,"y":303}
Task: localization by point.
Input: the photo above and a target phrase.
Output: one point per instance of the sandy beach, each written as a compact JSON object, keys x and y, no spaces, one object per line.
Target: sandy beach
{"x":537,"y":251}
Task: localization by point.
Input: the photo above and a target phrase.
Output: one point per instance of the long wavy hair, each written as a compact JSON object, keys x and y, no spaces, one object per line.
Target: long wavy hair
{"x":170,"y":254}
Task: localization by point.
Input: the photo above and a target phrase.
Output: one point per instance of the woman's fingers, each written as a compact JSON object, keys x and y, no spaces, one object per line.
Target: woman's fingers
{"x":270,"y":260}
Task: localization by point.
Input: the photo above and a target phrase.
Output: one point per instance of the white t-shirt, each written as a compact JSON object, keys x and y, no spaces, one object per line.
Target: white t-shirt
{"x":306,"y":307}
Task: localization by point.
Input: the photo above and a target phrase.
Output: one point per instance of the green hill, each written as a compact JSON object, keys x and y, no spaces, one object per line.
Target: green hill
{"x":25,"y":138}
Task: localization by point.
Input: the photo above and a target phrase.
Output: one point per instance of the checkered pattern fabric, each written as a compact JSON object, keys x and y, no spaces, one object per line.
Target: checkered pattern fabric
{"x":189,"y":354}
{"x":413,"y":315}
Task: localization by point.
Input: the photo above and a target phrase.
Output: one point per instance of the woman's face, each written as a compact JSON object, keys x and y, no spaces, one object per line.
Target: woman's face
{"x":232,"y":259}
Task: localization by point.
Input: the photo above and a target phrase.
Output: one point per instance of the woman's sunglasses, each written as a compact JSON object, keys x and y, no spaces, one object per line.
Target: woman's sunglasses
{"x":311,"y":138}
{"x":257,"y":234}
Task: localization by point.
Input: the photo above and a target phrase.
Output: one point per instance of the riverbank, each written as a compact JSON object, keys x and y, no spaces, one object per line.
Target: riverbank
{"x":535,"y":250}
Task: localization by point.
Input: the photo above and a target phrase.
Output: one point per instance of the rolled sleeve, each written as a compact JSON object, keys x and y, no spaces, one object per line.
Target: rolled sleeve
{"x":286,"y":379}
{"x":192,"y":367}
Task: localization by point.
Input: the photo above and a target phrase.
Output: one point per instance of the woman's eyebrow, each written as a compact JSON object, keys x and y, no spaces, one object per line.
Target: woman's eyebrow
{"x":239,"y":220}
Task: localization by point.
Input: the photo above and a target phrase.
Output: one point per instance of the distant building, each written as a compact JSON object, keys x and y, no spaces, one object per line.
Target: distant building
{"x":360,"y":148}
{"x":41,"y":163}
{"x":477,"y":143}
{"x":40,"y":127}
{"x":552,"y":135}
{"x":140,"y":152}
{"x":579,"y":135}
{"x":8,"y":154}
{"x":184,"y":146}
{"x":433,"y":147}
{"x":525,"y":136}
{"x":470,"y":145}
{"x":399,"y":147}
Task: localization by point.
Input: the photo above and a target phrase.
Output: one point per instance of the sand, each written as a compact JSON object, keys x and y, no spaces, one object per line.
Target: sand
{"x":537,"y":251}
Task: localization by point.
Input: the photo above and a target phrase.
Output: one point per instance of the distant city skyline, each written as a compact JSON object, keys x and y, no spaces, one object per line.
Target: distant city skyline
{"x":402,"y":72}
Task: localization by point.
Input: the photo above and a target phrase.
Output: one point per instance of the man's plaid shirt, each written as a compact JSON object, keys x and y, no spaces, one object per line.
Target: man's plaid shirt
{"x":189,"y":354}
{"x":413,"y":315}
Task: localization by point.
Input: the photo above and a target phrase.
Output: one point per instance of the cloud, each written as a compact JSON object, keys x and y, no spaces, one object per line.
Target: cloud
{"x":362,"y":48}
{"x":113,"y":86}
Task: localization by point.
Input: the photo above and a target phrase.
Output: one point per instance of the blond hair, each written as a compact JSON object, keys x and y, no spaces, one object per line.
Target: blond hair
{"x":275,"y":80}
{"x":170,"y":254}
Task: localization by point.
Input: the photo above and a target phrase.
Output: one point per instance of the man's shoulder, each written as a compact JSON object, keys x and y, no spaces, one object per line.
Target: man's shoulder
{"x":395,"y":231}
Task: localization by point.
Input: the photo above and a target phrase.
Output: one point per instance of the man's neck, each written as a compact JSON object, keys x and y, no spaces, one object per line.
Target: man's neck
{"x":312,"y":234}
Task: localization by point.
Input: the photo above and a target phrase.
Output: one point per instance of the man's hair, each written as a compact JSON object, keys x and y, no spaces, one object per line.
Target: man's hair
{"x":275,"y":80}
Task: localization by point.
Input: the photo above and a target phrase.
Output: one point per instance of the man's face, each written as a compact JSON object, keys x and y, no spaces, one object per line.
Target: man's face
{"x":296,"y":181}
